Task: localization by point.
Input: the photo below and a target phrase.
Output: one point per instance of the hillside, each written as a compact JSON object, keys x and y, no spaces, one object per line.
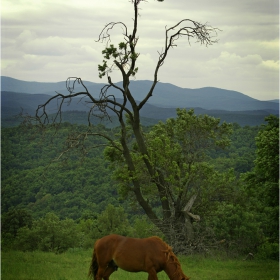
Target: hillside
{"x":74,"y":185}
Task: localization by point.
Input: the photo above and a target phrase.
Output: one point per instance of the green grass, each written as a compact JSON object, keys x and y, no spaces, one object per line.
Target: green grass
{"x":75,"y":264}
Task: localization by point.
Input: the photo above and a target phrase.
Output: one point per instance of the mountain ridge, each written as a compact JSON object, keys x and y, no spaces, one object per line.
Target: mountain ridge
{"x":13,"y":104}
{"x":165,"y":95}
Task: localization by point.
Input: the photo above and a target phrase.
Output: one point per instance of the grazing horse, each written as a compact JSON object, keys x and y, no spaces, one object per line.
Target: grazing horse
{"x":151,"y":255}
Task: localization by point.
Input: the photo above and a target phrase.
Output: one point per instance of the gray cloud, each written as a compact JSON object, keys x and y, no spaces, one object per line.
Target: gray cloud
{"x":49,"y":40}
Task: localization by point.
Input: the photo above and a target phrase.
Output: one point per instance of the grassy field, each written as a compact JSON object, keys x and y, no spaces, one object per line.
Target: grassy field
{"x":75,"y":264}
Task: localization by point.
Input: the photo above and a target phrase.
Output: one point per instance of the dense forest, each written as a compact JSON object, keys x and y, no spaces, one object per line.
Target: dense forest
{"x":56,"y":197}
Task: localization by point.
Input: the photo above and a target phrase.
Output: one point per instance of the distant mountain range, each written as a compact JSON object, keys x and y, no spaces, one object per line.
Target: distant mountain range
{"x":230,"y":106}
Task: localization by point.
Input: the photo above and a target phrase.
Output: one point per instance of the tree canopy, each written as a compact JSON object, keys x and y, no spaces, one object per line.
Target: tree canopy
{"x":263,"y":181}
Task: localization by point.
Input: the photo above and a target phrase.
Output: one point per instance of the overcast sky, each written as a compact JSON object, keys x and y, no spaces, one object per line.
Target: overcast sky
{"x":50,"y":40}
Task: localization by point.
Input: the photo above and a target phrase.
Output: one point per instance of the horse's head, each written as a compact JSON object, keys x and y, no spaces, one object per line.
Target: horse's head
{"x":185,"y":278}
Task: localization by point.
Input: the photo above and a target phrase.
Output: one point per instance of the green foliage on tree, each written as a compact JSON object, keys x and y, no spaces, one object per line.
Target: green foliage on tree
{"x":240,"y":155}
{"x":48,"y":234}
{"x":112,"y":220}
{"x":262,"y":183}
{"x":11,"y":222}
{"x":52,"y":234}
{"x":181,"y":177}
{"x":142,"y":228}
{"x":14,"y":219}
{"x":237,"y":226}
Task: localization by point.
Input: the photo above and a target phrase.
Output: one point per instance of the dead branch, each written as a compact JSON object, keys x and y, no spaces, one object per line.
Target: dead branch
{"x":202,"y":33}
{"x":250,"y":256}
{"x":190,"y":203}
{"x":195,"y":217}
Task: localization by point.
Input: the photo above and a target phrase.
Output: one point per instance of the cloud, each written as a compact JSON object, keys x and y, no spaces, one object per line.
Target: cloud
{"x":28,"y":43}
{"x":48,"y":40}
{"x":252,"y":63}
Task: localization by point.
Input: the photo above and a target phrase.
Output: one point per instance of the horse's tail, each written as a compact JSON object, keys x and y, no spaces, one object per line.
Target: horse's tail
{"x":93,"y":266}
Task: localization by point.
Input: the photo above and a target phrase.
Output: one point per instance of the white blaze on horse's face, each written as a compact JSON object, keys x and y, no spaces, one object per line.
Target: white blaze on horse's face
{"x":113,"y":251}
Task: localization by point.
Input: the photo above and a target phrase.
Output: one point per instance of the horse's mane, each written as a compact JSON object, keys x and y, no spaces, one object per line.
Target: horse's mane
{"x":171,"y":257}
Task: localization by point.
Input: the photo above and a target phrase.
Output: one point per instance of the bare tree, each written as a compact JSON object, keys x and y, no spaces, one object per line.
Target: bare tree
{"x":123,"y":58}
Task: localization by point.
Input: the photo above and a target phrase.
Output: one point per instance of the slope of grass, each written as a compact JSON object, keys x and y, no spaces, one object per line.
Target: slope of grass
{"x":75,"y":264}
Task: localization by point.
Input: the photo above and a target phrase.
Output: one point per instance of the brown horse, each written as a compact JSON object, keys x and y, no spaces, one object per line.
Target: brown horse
{"x":151,"y":255}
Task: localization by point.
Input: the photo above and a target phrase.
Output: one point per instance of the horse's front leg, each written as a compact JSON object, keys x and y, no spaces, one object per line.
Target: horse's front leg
{"x":100,"y":273}
{"x":108,"y":272}
{"x":104,"y":273}
{"x":152,"y":274}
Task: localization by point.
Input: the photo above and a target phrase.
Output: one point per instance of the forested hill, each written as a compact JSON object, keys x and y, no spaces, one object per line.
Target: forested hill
{"x":75,"y":186}
{"x":53,"y":205}
{"x":33,"y":179}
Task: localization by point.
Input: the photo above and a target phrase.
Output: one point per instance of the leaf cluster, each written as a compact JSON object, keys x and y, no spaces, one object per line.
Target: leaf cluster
{"x":121,"y":55}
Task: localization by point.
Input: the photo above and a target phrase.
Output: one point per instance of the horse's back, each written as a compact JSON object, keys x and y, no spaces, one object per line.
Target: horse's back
{"x":107,"y":244}
{"x":132,"y":254}
{"x":141,"y":245}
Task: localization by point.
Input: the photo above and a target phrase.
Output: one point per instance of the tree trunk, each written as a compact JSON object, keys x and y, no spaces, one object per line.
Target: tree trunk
{"x":179,"y":230}
{"x":188,"y":229}
{"x":177,"y":234}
